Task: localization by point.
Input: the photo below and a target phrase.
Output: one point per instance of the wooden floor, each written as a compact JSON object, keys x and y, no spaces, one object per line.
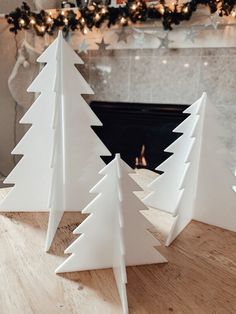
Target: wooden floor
{"x":199,"y":278}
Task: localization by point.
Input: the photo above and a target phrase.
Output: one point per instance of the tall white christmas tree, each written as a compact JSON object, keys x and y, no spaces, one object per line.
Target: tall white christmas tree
{"x":61,"y":151}
{"x":204,"y":189}
{"x":115,"y":234}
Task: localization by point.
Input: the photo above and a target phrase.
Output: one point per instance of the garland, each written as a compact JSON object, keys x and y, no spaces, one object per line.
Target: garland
{"x":96,"y":14}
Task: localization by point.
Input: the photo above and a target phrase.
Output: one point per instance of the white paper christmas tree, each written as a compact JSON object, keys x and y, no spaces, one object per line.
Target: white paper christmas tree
{"x":115,"y":234}
{"x":61,"y":152}
{"x":197,"y":182}
{"x":166,"y":188}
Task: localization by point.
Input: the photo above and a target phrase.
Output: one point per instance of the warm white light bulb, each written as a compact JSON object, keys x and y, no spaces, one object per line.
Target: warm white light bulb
{"x":32,"y":21}
{"x":122,"y":20}
{"x":162,"y":10}
{"x":22,"y":22}
{"x":103,"y":10}
{"x":97,"y":17}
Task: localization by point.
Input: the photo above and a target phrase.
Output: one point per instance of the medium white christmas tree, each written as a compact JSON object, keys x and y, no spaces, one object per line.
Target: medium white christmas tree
{"x":208,"y":194}
{"x":115,"y":234}
{"x":61,"y":151}
{"x":184,"y":212}
{"x":203,"y":189}
{"x":166,"y":188}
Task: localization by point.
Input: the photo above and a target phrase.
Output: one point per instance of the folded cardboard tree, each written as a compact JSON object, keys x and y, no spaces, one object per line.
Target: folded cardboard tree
{"x":115,"y":233}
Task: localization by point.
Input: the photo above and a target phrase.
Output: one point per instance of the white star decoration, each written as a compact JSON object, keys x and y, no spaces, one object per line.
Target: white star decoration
{"x":83,"y":47}
{"x":191,"y":34}
{"x":213,"y":21}
{"x":164,"y":41}
{"x":138,"y":36}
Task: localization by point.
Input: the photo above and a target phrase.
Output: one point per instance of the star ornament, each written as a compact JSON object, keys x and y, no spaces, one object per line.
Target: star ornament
{"x":190,"y":35}
{"x":138,"y":36}
{"x":164,"y":41}
{"x":102,"y":46}
{"x":83,"y":47}
{"x":214,"y":21}
{"x":122,"y":35}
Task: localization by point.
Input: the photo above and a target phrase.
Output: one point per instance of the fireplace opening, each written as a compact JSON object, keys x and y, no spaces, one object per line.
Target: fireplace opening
{"x":139,"y":132}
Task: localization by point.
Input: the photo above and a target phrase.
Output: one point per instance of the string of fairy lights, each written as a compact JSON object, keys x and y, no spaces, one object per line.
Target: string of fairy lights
{"x":95,"y":14}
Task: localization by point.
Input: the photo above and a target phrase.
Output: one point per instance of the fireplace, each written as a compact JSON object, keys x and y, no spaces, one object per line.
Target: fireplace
{"x":139,"y":132}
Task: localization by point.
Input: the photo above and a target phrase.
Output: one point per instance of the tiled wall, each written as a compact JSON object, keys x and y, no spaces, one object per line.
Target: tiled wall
{"x":167,"y":76}
{"x":153,"y":76}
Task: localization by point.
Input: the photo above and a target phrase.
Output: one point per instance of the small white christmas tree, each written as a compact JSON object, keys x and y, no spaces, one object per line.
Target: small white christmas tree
{"x":204,"y":189}
{"x":61,"y":152}
{"x":115,"y":234}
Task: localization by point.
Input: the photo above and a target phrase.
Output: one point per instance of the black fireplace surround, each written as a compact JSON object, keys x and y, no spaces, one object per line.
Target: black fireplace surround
{"x":138,"y":131}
